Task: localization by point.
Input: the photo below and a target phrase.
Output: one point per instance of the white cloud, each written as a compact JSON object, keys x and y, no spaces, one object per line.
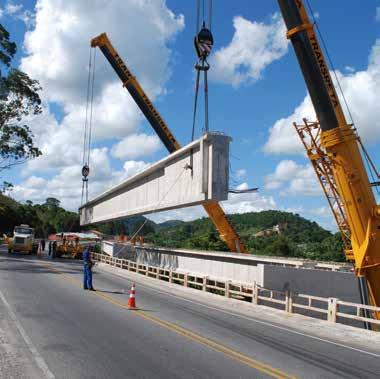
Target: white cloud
{"x":131,"y":168}
{"x":349,"y":69}
{"x":35,"y":182}
{"x":241,"y":173}
{"x":324,"y":211}
{"x":12,"y":8}
{"x":66,"y":185}
{"x":57,"y":48}
{"x":248,"y":202}
{"x":115,"y":115}
{"x":293,"y":179}
{"x":283,"y":137}
{"x":57,"y":55}
{"x":253,"y":47}
{"x":136,"y":145}
{"x":17,"y":12}
{"x":183,"y":214}
{"x":362,"y":91}
{"x":298,"y":209}
{"x":285,"y":169}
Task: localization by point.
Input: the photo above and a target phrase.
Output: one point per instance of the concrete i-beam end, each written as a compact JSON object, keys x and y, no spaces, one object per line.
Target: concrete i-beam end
{"x":197,"y":173}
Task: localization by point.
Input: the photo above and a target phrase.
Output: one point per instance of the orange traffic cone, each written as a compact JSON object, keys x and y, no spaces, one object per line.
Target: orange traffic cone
{"x":132,"y":299}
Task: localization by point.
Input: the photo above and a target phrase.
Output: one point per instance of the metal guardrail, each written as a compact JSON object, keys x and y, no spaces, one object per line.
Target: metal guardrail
{"x":331,"y":309}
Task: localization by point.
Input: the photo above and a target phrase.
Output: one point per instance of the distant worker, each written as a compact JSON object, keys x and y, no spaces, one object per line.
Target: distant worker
{"x":87,"y":270}
{"x":43,"y":244}
{"x":54,"y":250}
{"x":39,"y":250}
{"x":50,"y":243}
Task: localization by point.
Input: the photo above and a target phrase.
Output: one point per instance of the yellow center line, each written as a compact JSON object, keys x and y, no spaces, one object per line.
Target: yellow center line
{"x":260,"y":366}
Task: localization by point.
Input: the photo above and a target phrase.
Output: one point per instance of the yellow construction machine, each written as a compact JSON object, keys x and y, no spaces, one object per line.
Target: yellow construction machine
{"x":70,"y":249}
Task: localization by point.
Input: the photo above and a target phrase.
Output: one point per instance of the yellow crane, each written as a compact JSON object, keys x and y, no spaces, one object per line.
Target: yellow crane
{"x":332,"y":146}
{"x":214,"y":210}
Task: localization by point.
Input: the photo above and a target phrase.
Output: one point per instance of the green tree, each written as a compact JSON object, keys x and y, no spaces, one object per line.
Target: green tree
{"x":332,"y":248}
{"x":280,"y":247}
{"x":52,"y":203}
{"x":19,"y":98}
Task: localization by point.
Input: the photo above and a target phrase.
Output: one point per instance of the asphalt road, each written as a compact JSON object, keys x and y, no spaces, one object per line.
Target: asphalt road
{"x":74,"y":333}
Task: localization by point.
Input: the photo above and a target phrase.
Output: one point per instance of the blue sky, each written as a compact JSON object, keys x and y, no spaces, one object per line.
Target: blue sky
{"x":256,"y":92}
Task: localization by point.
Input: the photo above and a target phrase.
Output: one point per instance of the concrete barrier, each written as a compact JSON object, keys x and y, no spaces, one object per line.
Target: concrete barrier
{"x":315,"y":282}
{"x":275,"y":273}
{"x":224,"y":266}
{"x":119,"y":250}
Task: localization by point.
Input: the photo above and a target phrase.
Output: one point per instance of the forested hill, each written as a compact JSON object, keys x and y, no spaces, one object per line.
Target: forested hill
{"x":267,"y":233}
{"x":45,"y":218}
{"x":299,"y":237}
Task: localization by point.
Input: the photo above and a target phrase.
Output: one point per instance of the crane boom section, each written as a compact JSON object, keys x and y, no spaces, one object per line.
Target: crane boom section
{"x":340,"y":143}
{"x":137,"y":93}
{"x":213,"y":209}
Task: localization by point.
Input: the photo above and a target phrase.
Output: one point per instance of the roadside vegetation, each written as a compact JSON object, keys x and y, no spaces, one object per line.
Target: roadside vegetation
{"x":298,"y":237}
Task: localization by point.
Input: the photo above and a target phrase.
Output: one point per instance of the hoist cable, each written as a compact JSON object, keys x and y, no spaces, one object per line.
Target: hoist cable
{"x":203,"y":44}
{"x":88,"y":125}
{"x":195,"y":104}
{"x":86,"y":131}
{"x":203,"y":9}
{"x":210,"y":14}
{"x":371,"y":166}
{"x":206,"y":100}
{"x":91,"y":108}
{"x":197,"y":18}
{"x":82,"y":192}
{"x":86,"y":116}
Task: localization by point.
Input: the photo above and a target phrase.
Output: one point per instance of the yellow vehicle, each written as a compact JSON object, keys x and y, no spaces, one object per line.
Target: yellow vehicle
{"x":333,"y":146}
{"x":22,"y":240}
{"x":69,"y":248}
{"x":213,"y":209}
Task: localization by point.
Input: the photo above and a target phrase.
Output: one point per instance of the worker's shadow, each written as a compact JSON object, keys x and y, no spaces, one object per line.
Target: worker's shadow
{"x":115,"y":292}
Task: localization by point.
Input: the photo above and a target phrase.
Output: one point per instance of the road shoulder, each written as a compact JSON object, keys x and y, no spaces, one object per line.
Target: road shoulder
{"x":18,"y":356}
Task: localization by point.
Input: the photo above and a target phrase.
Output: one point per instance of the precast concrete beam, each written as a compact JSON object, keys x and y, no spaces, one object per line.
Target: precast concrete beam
{"x":195,"y":174}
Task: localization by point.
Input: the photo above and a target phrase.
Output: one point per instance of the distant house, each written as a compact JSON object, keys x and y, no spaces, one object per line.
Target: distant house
{"x":275,"y":229}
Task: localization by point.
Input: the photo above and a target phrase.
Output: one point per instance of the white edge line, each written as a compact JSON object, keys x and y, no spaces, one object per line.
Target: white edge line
{"x":257,"y":321}
{"x":36,"y":355}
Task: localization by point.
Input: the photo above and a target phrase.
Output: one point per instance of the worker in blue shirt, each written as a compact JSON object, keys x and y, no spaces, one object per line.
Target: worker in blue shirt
{"x":87,"y":270}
